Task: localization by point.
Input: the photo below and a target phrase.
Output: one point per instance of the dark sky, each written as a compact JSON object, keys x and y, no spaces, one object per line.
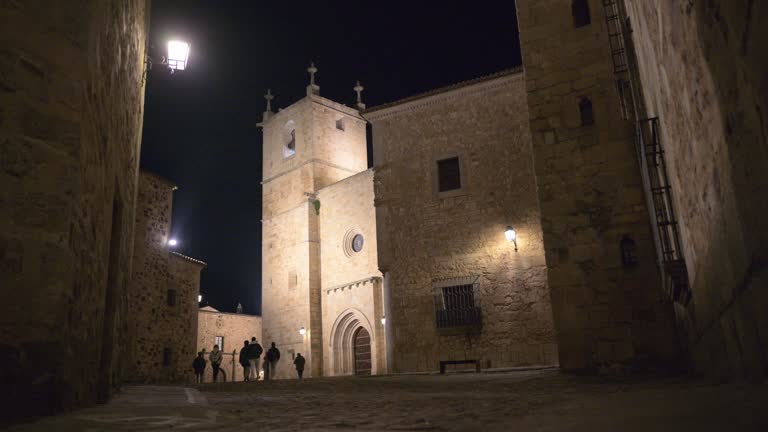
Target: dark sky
{"x":200,"y":125}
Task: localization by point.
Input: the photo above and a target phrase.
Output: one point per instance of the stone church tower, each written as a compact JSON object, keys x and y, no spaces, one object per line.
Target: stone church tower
{"x":308,"y":146}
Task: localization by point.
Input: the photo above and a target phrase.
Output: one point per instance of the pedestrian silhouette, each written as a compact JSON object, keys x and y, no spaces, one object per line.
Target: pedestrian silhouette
{"x":299,"y":363}
{"x":199,"y":366}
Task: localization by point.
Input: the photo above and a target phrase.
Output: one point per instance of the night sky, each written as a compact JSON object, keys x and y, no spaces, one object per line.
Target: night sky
{"x":200,"y":125}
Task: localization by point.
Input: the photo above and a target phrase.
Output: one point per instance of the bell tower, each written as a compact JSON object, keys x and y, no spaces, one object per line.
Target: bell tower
{"x":311,"y":144}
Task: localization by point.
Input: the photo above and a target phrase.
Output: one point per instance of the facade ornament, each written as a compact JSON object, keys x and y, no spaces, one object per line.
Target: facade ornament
{"x":312,"y":88}
{"x":268,"y":113}
{"x":359,"y":90}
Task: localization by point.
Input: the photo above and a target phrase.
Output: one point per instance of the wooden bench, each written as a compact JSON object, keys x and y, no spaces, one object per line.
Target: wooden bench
{"x":445,"y":363}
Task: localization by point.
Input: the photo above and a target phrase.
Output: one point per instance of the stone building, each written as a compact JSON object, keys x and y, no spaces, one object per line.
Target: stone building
{"x":454,"y":169}
{"x":163,"y":293}
{"x":71,"y":105}
{"x":228,"y":331}
{"x":321,"y":285}
{"x":651,"y":108}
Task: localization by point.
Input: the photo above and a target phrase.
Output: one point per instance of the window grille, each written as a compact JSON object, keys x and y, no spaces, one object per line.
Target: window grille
{"x":457,"y":302}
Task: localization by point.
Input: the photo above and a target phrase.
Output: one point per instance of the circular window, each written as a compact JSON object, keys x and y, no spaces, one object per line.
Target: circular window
{"x":357,"y":243}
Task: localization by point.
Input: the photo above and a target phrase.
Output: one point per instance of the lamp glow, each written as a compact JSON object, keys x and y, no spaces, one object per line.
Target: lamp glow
{"x":383,"y":320}
{"x":199,"y":298}
{"x":511,"y":235}
{"x":302,"y":331}
{"x":178,"y":54}
{"x":173,"y":242}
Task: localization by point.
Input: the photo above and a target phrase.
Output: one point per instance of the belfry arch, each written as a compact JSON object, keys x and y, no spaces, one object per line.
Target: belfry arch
{"x":342,"y":341}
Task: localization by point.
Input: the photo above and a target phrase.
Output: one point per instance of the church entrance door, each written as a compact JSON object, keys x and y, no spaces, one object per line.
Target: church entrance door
{"x":362,"y":345}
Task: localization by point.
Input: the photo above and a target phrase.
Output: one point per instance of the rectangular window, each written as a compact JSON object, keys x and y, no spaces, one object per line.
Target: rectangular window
{"x":219,"y":340}
{"x":580,"y":11}
{"x":340,"y":124}
{"x":448,"y":174}
{"x":457,"y":303}
{"x":171,"y":297}
{"x":167,"y":354}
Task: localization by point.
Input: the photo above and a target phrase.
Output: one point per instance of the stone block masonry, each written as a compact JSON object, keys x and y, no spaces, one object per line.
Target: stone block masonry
{"x":71,"y":105}
{"x":427,"y":238}
{"x":591,"y":193}
{"x":162,"y":293}
{"x":703,"y":71}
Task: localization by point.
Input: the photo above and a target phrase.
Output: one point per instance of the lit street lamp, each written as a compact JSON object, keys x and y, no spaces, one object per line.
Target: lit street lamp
{"x":173,"y":242}
{"x":199,"y":298}
{"x":511,"y":235}
{"x":178,"y":54}
{"x":302,"y":331}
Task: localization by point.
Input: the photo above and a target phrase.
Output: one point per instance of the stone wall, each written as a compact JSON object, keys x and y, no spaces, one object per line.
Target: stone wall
{"x":291,"y":228}
{"x":71,"y":105}
{"x":704,"y":73}
{"x":351,"y":281}
{"x":591,"y":194}
{"x":425,"y":236}
{"x":163,"y":324}
{"x":234,"y":328}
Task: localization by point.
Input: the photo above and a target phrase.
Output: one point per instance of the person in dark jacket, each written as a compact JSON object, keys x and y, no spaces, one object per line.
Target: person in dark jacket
{"x":273,"y":355}
{"x":254,"y":355}
{"x":299,"y":363}
{"x":244,"y":360}
{"x":199,"y":366}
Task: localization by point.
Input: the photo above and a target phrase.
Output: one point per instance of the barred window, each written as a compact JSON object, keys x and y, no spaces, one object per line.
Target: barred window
{"x":457,"y":302}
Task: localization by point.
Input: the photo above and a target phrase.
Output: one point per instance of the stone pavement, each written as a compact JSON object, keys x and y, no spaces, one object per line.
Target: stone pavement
{"x":145,"y":408}
{"x":535,"y":400}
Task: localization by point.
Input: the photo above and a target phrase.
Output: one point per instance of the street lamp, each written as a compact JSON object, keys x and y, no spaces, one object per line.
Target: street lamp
{"x":383,"y":320}
{"x":199,"y":298}
{"x":176,"y":58}
{"x":302,"y":331}
{"x":178,"y":54}
{"x":511,"y":235}
{"x":173,"y":242}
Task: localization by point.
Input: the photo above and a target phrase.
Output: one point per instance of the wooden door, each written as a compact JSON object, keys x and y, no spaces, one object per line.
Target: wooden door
{"x":362,"y":346}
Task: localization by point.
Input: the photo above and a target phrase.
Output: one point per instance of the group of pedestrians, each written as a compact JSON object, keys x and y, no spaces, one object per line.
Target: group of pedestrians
{"x":250,"y":360}
{"x":199,"y":364}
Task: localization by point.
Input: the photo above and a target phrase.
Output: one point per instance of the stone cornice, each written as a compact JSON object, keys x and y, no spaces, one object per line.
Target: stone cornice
{"x":350,"y":285}
{"x":443,"y":94}
{"x":190,"y":259}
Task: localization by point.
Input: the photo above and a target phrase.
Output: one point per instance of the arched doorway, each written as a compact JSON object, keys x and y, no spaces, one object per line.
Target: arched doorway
{"x":362,"y":348}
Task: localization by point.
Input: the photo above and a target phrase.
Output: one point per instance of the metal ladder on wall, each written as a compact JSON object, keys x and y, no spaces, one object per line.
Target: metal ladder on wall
{"x":651,"y":154}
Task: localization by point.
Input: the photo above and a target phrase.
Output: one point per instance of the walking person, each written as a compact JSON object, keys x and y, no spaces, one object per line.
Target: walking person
{"x":244,"y":360}
{"x":215,"y":357}
{"x":273,"y":355}
{"x":299,"y":363}
{"x":199,"y":366}
{"x":254,"y":355}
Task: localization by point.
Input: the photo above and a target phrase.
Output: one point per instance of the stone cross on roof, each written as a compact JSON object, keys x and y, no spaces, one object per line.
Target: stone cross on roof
{"x":358,"y":88}
{"x":312,"y":88}
{"x":269,"y":98}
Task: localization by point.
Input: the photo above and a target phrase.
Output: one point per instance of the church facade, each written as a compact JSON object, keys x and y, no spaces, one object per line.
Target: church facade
{"x":321,"y":284}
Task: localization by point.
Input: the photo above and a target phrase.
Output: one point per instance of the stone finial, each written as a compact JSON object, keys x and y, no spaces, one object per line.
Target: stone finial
{"x":269,"y":98}
{"x":268,"y":113}
{"x":239,"y":308}
{"x":358,"y":88}
{"x":312,"y":88}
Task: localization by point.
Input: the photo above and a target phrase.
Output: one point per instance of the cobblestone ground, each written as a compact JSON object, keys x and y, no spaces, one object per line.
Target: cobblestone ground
{"x":543,"y":400}
{"x":519,"y":401}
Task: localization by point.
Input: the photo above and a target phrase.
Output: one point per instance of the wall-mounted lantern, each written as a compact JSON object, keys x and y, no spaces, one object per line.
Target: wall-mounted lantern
{"x":511,"y":235}
{"x":383,"y":320}
{"x":302,"y":331}
{"x":178,"y":54}
{"x":173,"y":242}
{"x":175,"y":58}
{"x":199,"y":298}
